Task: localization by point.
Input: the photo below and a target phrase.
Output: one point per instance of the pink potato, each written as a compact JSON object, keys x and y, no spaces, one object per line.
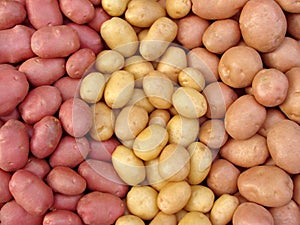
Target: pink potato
{"x":70,"y":152}
{"x":65,"y":40}
{"x":100,"y":208}
{"x":288,"y":214}
{"x":43,"y":13}
{"x":41,"y":71}
{"x":24,"y":185}
{"x":40,"y":102}
{"x":68,"y":87}
{"x":11,"y":14}
{"x":101,"y":176}
{"x":13,"y":89}
{"x":46,"y":136}
{"x":65,"y":202}
{"x":62,"y":217}
{"x":39,"y":167}
{"x":102,"y":150}
{"x":99,"y":18}
{"x":6,"y":66}
{"x":14,"y":137}
{"x":13,"y":115}
{"x":5,"y":195}
{"x":17,"y":44}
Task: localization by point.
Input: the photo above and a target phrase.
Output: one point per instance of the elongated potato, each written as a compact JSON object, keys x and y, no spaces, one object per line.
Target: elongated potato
{"x":92,"y":87}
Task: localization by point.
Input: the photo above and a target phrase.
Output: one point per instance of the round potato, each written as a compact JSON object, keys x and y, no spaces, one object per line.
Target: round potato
{"x":13,"y":12}
{"x":63,"y":216}
{"x":178,"y":8}
{"x":273,"y":116}
{"x":65,"y":202}
{"x":109,"y":61}
{"x":129,"y":220}
{"x":287,"y":214}
{"x":139,"y":99}
{"x":191,"y":77}
{"x":194,"y":218}
{"x":39,"y":167}
{"x":115,"y":8}
{"x":162,"y":218}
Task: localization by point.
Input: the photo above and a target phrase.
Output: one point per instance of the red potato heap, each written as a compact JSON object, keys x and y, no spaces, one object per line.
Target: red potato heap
{"x":149,"y":112}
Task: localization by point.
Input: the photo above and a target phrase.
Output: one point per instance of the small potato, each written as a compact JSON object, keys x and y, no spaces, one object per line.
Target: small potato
{"x":5,"y":194}
{"x":200,"y":161}
{"x":223,"y":209}
{"x":70,"y":152}
{"x":68,"y":87}
{"x":65,"y":202}
{"x":251,"y":119}
{"x":13,"y":136}
{"x":39,"y":167}
{"x":129,"y":220}
{"x":119,"y":35}
{"x":293,"y":24}
{"x":100,"y":208}
{"x":255,"y":19}
{"x":101,"y":176}
{"x":238,"y":66}
{"x":161,"y":33}
{"x":246,"y":153}
{"x":289,"y":6}
{"x":270,"y":87}
{"x":191,"y":77}
{"x":273,"y":116}
{"x":140,"y":99}
{"x":288,"y":214}
{"x":141,"y":201}
{"x":163,"y":218}
{"x":115,"y":8}
{"x":103,"y":150}
{"x":109,"y":61}
{"x":194,"y":218}
{"x":154,"y":179}
{"x":92,"y":87}
{"x":99,"y":18}
{"x":23,"y":184}
{"x":269,"y":186}
{"x":59,"y":217}
{"x":43,"y":13}
{"x":143,"y":13}
{"x":46,"y":136}
{"x":129,"y":167}
{"x":179,"y":8}
{"x":79,"y":11}
{"x":252,"y":213}
{"x":160,"y":117}
{"x":76,"y":117}
{"x":43,"y":40}
{"x":11,"y":14}
{"x":166,"y":201}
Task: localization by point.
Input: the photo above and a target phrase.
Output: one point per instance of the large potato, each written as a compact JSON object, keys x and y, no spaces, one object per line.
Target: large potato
{"x":79,"y":11}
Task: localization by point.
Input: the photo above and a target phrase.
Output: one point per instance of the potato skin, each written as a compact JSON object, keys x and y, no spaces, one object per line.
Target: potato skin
{"x":288,"y":214}
{"x":5,"y":195}
{"x":99,"y":18}
{"x":62,"y":217}
{"x":39,"y":167}
{"x":14,"y":137}
{"x":65,"y":202}
{"x":103,"y":150}
{"x":68,"y":87}
{"x":23,"y":184}
{"x":11,"y":14}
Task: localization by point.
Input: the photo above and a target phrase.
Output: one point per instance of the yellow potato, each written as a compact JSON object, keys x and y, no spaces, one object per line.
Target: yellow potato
{"x":153,"y":177}
{"x":109,"y":61}
{"x":139,"y":99}
{"x":194,"y":218}
{"x":114,"y":8}
{"x":160,"y":117}
{"x":129,"y":220}
{"x":191,"y":77}
{"x":163,"y":218}
{"x":177,"y":9}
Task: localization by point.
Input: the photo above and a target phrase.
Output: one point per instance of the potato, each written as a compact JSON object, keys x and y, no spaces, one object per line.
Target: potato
{"x":79,"y":11}
{"x":182,"y":130}
{"x":141,"y":201}
{"x":179,"y":8}
{"x":103,"y":150}
{"x":255,"y":19}
{"x":11,"y":13}
{"x":223,"y":209}
{"x":201,"y":200}
{"x":287,"y":214}
{"x":291,"y":107}
{"x":13,"y":136}
{"x":283,"y":144}
{"x":68,"y":87}
{"x":46,"y":136}
{"x":75,"y":117}
{"x":143,"y":13}
{"x":238,"y":66}
{"x":13,"y":89}
{"x":260,"y":183}
{"x":252,"y":213}
{"x":100,"y":208}
{"x":101,"y":176}
{"x":39,"y":167}
{"x":161,"y":33}
{"x":79,"y":62}
{"x":222,"y":177}
{"x":212,"y":11}
{"x":273,"y":116}
{"x":162,"y":218}
{"x":194,"y":218}
{"x":65,"y":202}
{"x":58,"y":217}
{"x":17,"y":44}
{"x":150,"y":142}
{"x":296,"y":194}
{"x":92,"y":87}
{"x":5,"y":195}
{"x":119,"y":35}
{"x":154,"y":179}
{"x":139,"y":99}
{"x":160,"y":117}
{"x":293,"y":23}
{"x":129,"y":220}
{"x":99,"y":18}
{"x":289,"y":6}
{"x":70,"y":152}
{"x":191,"y":77}
{"x":166,"y":201}
{"x":43,"y":40}
{"x":13,"y":214}
{"x":200,"y":161}
{"x":23,"y":184}
{"x":6,"y":66}
{"x":66,"y":181}
{"x":115,"y":8}
{"x":221,"y":35}
{"x":109,"y":61}
{"x":246,"y":153}
{"x":129,"y":167}
{"x":251,"y":119}
{"x":44,"y":13}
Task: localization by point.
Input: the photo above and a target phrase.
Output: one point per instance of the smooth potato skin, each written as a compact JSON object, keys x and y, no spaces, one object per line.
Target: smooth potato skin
{"x":62,"y":217}
{"x":11,"y":14}
{"x":103,"y":150}
{"x":68,"y":87}
{"x":65,"y":202}
{"x":39,"y":167}
{"x":100,"y":17}
{"x":288,"y":214}
{"x":5,"y":195}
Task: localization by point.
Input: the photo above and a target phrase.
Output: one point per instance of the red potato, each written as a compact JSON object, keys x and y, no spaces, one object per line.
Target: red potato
{"x":76,"y":117}
{"x":40,"y":102}
{"x":17,"y":44}
{"x":79,"y":11}
{"x":288,"y":214}
{"x":293,"y":24}
{"x":68,"y":87}
{"x":13,"y":89}
{"x":40,"y":71}
{"x":5,"y":195}
{"x":79,"y":62}
{"x":13,"y":214}
{"x":13,"y":115}
{"x":42,"y":13}
{"x":14,"y":137}
{"x":273,"y":116}
{"x":62,"y":217}
{"x":296,"y":194}
{"x":95,"y":2}
{"x":6,"y":66}
{"x":46,"y":136}
{"x":102,"y":150}
{"x":100,"y":17}
{"x":24,"y":184}
{"x":11,"y":14}
{"x":65,"y":40}
{"x":70,"y":152}
{"x":65,"y":202}
{"x":100,"y":208}
{"x":88,"y":37}
{"x":101,"y":176}
{"x":66,"y":181}
{"x":39,"y":167}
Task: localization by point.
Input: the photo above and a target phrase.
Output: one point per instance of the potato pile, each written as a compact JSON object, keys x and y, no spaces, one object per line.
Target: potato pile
{"x":134,"y":112}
